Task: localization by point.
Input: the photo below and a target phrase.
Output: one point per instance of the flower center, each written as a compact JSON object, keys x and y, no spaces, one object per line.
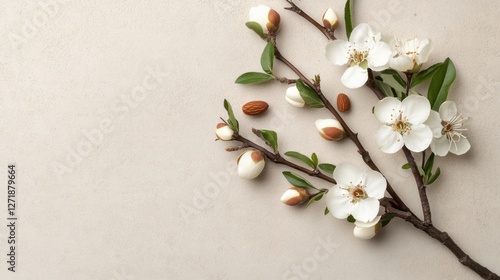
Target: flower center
{"x":401,"y":125}
{"x":357,"y":193}
{"x":453,"y":129}
{"x":357,"y":57}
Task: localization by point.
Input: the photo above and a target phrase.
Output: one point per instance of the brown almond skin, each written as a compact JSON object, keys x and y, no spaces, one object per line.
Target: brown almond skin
{"x":343,"y":102}
{"x":254,"y":108}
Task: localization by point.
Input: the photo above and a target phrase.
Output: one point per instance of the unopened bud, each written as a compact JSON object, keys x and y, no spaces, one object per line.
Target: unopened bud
{"x":224,"y":132}
{"x":267,"y":18}
{"x":250,"y":164}
{"x":330,"y":129}
{"x":367,"y":230}
{"x":293,"y":97}
{"x":295,"y":196}
{"x":330,"y":19}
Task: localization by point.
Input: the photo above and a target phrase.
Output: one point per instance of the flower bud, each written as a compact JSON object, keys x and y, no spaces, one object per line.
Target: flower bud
{"x":330,"y":19}
{"x":330,"y":129}
{"x":295,"y":196}
{"x":367,"y":230}
{"x":293,"y":97}
{"x":224,"y":132}
{"x":266,"y":17}
{"x":250,"y":164}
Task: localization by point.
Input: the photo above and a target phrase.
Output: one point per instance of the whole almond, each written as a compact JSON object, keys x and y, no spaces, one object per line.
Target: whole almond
{"x":253,"y":108}
{"x":343,"y":102}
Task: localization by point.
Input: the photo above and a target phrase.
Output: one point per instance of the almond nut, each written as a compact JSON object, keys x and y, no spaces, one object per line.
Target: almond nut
{"x":255,"y":108}
{"x":343,"y":102}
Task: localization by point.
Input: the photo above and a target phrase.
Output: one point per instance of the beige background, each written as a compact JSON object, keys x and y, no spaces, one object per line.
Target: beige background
{"x":115,"y":208}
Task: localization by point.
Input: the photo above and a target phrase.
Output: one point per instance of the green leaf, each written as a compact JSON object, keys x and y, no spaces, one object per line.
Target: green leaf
{"x":267,"y":58}
{"x":232,"y":121}
{"x":420,"y":170}
{"x":385,"y":88}
{"x":326,"y":167}
{"x":348,"y":18}
{"x":434,"y":177}
{"x":428,"y":165}
{"x":440,"y":84}
{"x":425,"y":75}
{"x":300,"y":157}
{"x":315,"y":160}
{"x":310,"y":97}
{"x":386,"y":219}
{"x":255,"y":27}
{"x":406,"y":166}
{"x":326,"y":211}
{"x":254,"y":78}
{"x":316,"y":197}
{"x":271,"y":138}
{"x":297,"y":181}
{"x":351,"y":219}
{"x":393,"y":79}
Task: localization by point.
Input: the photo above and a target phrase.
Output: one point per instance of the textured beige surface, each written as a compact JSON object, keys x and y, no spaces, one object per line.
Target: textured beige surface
{"x":145,"y":80}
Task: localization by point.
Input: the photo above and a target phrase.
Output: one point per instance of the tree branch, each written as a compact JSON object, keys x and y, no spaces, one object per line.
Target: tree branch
{"x":294,"y":8}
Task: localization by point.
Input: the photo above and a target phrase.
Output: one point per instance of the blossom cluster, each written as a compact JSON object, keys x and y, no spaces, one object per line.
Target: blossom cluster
{"x":408,"y":120}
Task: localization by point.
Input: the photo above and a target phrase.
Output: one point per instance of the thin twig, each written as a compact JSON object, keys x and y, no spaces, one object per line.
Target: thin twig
{"x":294,"y":8}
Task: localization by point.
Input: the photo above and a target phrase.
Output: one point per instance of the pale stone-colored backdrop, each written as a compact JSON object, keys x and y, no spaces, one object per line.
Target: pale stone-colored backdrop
{"x":108,"y":109}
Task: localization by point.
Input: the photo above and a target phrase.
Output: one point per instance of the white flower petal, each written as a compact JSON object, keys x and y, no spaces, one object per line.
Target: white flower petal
{"x":338,"y":52}
{"x":260,"y":14}
{"x":339,"y":202}
{"x":354,"y":77}
{"x":379,"y":55}
{"x":434,"y":123}
{"x":388,"y":140}
{"x":419,"y":138}
{"x":460,"y":147}
{"x":417,"y":108}
{"x":401,"y":63}
{"x":375,"y":184}
{"x":448,"y":110}
{"x":293,"y":97}
{"x":365,"y":210}
{"x":440,"y":146}
{"x":363,"y":34}
{"x":347,"y":174}
{"x":424,"y":50}
{"x":368,"y":224}
{"x":386,"y":110}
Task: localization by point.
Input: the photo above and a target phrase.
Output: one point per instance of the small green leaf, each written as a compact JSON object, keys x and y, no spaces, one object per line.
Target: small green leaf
{"x":420,"y":170}
{"x":351,"y":219}
{"x":300,"y":157}
{"x":394,"y":80}
{"x":255,"y":27}
{"x":434,"y":177}
{"x":424,"y":75}
{"x":297,"y":181}
{"x":254,"y":78}
{"x":271,"y":138}
{"x":385,"y":88}
{"x":428,"y":165}
{"x":309,"y":95}
{"x":232,"y":121}
{"x":348,"y":18}
{"x":326,"y":167}
{"x":440,"y":84}
{"x":316,"y":197}
{"x":327,"y":211}
{"x":406,"y":166}
{"x":267,"y":58}
{"x":386,"y":219}
{"x":315,"y":160}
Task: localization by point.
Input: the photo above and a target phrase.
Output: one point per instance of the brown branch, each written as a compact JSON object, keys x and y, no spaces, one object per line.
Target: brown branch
{"x":420,"y":185}
{"x":285,"y":80}
{"x":278,"y":159}
{"x":351,"y":135}
{"x":327,"y":32}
